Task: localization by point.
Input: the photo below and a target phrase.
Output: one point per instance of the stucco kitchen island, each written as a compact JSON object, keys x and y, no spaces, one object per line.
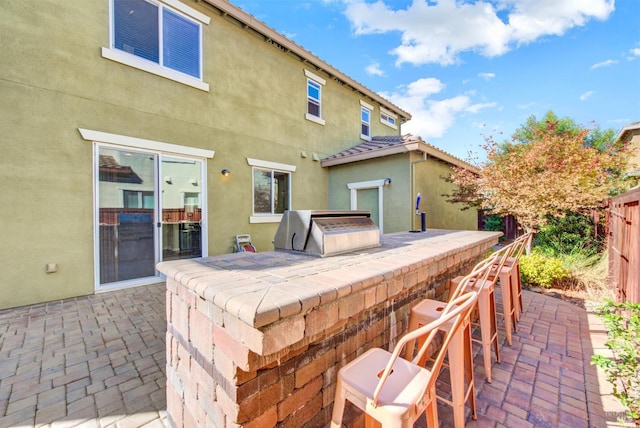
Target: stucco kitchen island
{"x":256,"y":339}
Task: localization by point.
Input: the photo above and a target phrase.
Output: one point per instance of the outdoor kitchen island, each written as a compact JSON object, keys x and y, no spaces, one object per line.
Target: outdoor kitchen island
{"x":256,"y":339}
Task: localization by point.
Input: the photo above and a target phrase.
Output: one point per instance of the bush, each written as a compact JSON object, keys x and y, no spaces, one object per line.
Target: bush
{"x":569,"y":234}
{"x":623,"y":367}
{"x":493,"y":222}
{"x":542,"y":270}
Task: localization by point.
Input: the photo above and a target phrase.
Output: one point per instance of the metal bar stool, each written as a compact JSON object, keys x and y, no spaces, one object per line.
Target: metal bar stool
{"x":459,"y":354}
{"x":391,"y":390}
{"x":513,"y":264}
{"x":488,"y":322}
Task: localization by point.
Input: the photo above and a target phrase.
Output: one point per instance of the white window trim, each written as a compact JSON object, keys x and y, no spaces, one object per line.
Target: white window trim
{"x":271,"y":165}
{"x":366,"y":104}
{"x":373,"y":184}
{"x":319,"y":80}
{"x":388,"y":113}
{"x":268,"y":218}
{"x":152,"y":67}
{"x":369,"y":107}
{"x":141,"y":143}
{"x":187,"y":10}
{"x":315,"y":77}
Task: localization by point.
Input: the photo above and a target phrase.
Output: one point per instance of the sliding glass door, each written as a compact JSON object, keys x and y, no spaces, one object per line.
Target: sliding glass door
{"x":135,"y":228}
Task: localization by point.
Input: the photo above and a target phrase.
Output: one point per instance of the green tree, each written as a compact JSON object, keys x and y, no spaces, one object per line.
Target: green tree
{"x":550,"y":167}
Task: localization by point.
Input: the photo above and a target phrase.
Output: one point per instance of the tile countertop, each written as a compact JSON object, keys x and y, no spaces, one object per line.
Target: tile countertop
{"x":265,"y":287}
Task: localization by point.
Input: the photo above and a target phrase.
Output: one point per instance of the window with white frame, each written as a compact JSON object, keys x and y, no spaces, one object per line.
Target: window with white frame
{"x":150,"y":35}
{"x":314,"y":97}
{"x":271,"y":190}
{"x":388,"y":118}
{"x":365,"y":120}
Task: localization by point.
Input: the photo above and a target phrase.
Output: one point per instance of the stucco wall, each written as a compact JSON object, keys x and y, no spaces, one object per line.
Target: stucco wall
{"x":399,"y":196}
{"x":54,"y":80}
{"x":395,"y":195}
{"x":439,"y":213}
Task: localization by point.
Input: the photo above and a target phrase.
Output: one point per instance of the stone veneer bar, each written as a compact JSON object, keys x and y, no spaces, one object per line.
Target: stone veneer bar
{"x":256,"y":339}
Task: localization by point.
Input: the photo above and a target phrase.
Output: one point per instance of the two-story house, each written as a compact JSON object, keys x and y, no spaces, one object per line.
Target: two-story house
{"x":137,"y":131}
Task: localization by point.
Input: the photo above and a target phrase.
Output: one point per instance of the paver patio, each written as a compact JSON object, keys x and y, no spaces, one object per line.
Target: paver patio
{"x":99,"y":361}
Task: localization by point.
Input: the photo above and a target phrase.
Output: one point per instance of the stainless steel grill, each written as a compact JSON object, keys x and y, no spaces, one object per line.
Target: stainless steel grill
{"x":326,"y":233}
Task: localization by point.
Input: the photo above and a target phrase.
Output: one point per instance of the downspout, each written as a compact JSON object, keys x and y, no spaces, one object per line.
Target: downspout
{"x":413,"y":186}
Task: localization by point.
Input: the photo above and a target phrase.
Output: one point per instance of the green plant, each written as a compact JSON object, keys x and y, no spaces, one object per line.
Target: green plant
{"x":623,"y":367}
{"x":493,"y":222}
{"x":573,"y":232}
{"x":542,"y":270}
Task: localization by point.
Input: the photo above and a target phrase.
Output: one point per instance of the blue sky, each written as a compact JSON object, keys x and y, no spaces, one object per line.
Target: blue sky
{"x":470,"y":69}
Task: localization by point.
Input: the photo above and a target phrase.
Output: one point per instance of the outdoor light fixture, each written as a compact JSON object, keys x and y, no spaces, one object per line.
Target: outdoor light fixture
{"x":225,"y":172}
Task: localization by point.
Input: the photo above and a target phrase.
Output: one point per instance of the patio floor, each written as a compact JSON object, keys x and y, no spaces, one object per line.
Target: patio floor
{"x":99,"y":361}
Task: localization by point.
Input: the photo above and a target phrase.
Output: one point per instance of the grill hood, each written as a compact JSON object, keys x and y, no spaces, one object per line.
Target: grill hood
{"x":326,"y":233}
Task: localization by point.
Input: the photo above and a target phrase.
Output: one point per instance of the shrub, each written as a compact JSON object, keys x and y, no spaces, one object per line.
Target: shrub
{"x":568,"y":234}
{"x":493,"y":222}
{"x":623,"y":367}
{"x":542,"y":270}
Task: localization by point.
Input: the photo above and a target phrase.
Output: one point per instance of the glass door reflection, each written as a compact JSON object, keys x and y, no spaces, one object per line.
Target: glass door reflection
{"x":181,"y":208}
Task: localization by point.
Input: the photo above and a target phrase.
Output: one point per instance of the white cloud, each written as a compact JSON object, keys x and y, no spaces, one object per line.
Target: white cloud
{"x":635,"y":52}
{"x":586,"y":95}
{"x":374,"y":69}
{"x":603,"y":64}
{"x":438,"y":31}
{"x":431,"y":118}
{"x":474,"y":108}
{"x":487,"y":76}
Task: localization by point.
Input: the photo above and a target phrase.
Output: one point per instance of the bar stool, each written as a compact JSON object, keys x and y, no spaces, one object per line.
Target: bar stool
{"x":513,"y":264}
{"x":488,"y":322}
{"x":459,"y":352}
{"x":391,"y":390}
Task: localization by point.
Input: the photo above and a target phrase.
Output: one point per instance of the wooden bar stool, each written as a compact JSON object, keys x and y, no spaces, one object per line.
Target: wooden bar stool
{"x":391,"y":390}
{"x":460,"y":352}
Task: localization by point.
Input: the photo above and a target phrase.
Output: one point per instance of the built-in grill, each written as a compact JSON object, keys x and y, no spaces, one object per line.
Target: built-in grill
{"x":326,"y":233}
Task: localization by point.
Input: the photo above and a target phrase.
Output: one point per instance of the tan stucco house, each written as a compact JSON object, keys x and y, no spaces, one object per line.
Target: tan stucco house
{"x":631,"y":134}
{"x":137,"y":131}
{"x":385,"y":175}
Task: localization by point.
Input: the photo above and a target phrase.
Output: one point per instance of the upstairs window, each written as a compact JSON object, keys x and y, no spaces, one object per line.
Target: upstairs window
{"x":314,"y":92}
{"x":156,"y":33}
{"x":388,"y":118}
{"x":314,"y":97}
{"x":365,"y":120}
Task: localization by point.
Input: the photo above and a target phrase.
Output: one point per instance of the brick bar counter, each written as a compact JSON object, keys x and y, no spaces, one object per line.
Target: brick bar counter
{"x":256,"y":339}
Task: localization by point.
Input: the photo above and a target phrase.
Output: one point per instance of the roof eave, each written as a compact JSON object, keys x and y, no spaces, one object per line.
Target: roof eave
{"x":371,"y":154}
{"x":246,"y":19}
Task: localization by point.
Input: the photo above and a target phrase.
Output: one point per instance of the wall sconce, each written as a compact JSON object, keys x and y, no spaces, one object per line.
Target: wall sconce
{"x":193,"y":182}
{"x":167,"y":179}
{"x":225,"y":172}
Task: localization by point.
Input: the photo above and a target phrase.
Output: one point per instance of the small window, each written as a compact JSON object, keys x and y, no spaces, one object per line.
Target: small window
{"x":270,"y":191}
{"x":388,"y":119}
{"x":365,"y":118}
{"x":137,"y":199}
{"x":314,"y":97}
{"x":156,"y":33}
{"x":314,"y":91}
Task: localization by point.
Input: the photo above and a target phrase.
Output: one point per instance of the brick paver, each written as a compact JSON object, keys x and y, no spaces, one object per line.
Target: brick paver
{"x":99,"y":361}
{"x":95,"y":361}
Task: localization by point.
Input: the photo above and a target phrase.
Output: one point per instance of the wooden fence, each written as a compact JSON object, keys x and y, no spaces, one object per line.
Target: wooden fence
{"x":624,"y":245}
